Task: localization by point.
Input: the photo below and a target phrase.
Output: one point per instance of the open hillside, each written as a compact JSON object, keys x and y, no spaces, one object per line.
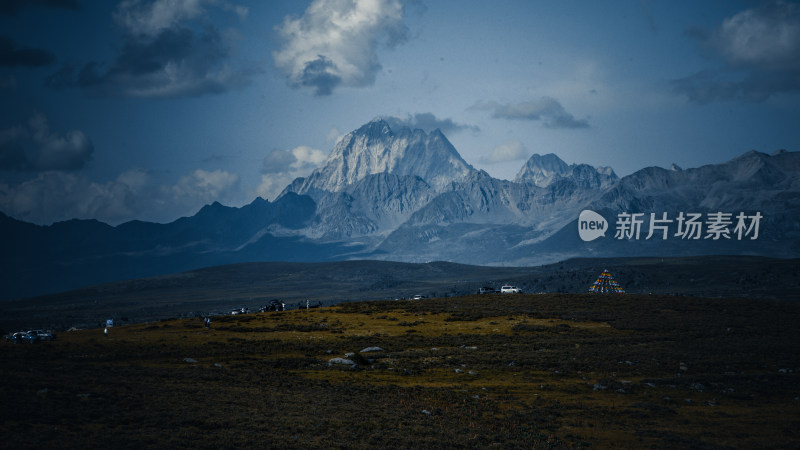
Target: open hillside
{"x":510,"y":371}
{"x":218,"y":290}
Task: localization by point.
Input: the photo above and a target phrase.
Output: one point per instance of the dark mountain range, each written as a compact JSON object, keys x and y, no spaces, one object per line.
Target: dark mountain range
{"x":407,"y":195}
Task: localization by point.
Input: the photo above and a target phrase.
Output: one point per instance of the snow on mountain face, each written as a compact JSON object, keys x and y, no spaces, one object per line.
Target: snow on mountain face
{"x":375,"y":148}
{"x":544,"y":170}
{"x":374,"y":204}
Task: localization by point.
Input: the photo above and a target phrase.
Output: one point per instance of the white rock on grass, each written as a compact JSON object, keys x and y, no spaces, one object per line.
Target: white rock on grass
{"x":344,"y":361}
{"x":371,"y":349}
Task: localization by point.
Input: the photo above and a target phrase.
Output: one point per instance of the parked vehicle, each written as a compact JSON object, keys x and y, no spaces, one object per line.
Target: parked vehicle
{"x":508,"y":289}
{"x":24,"y":336}
{"x":418,"y":297}
{"x":42,"y":335}
{"x":487,"y":290}
{"x":274,"y":305}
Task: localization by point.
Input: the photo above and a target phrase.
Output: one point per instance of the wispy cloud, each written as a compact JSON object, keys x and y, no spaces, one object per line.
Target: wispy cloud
{"x":427,"y":122}
{"x":510,"y":151}
{"x":757,"y":53}
{"x":33,"y":147}
{"x":335,"y":43}
{"x":302,"y":158}
{"x":545,"y":109}
{"x":169,"y":49}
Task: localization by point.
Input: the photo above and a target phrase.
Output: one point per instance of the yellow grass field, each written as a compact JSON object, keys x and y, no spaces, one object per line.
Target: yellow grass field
{"x":506,"y":371}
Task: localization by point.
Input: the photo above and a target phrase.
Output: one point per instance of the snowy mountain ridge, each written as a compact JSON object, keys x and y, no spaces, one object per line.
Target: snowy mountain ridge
{"x":407,"y":195}
{"x":375,"y":148}
{"x":544,"y":170}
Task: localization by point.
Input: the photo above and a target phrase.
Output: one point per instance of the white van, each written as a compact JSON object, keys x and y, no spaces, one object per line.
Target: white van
{"x":509,"y":290}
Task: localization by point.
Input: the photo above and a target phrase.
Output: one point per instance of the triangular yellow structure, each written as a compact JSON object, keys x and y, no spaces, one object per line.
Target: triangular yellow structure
{"x":606,"y":283}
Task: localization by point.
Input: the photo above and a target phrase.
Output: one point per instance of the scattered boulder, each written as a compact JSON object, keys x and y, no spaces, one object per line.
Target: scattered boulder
{"x":371,"y":349}
{"x":189,"y":360}
{"x":343,"y":361}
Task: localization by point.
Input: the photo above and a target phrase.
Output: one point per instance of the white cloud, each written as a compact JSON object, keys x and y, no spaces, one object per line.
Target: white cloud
{"x":427,"y":122}
{"x":281,"y":167}
{"x":334,"y":135}
{"x":307,"y":158}
{"x":510,"y":151}
{"x":299,"y":159}
{"x":335,"y":42}
{"x":765,"y":37}
{"x":272,"y":185}
{"x":151,"y":18}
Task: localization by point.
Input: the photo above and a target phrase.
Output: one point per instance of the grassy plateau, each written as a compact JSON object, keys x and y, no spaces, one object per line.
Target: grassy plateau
{"x":505,"y":371}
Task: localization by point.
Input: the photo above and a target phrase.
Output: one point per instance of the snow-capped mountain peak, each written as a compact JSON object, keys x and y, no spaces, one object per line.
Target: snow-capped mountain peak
{"x":375,"y":148}
{"x":544,"y":170}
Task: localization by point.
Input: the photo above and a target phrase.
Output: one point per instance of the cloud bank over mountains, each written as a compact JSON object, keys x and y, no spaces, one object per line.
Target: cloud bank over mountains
{"x":510,"y":151}
{"x":33,"y":147}
{"x":57,"y":196}
{"x":280,"y":167}
{"x":121,"y":110}
{"x":428,"y":122}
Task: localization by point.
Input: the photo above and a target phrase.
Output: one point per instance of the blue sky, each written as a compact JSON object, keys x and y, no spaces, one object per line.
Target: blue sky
{"x":150,"y":109}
